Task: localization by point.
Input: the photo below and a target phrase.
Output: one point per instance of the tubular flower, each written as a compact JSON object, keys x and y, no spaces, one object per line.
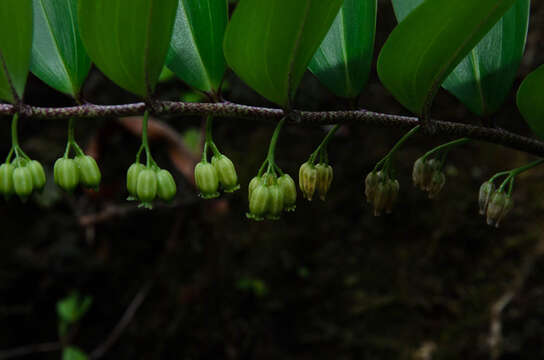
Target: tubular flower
{"x":436,"y":184}
{"x":207,"y":180}
{"x":38,"y":174}
{"x":132,"y":179}
{"x":89,"y":172}
{"x":486,"y":190}
{"x":226,"y":173}
{"x":499,"y":206}
{"x":307,"y":178}
{"x":146,"y":189}
{"x":66,"y":174}
{"x":371,"y":184}
{"x":275,"y":202}
{"x":289,"y":189}
{"x":258,"y":202}
{"x":166,"y":186}
{"x":324,"y":179}
{"x":6,"y":179}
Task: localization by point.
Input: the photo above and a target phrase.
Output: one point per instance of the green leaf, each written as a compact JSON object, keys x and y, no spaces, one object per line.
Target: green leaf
{"x":73,"y":353}
{"x":58,"y":56}
{"x":485,"y":76}
{"x":270,"y":43}
{"x":72,"y":308}
{"x":196,"y":52}
{"x":429,"y":43}
{"x":128,"y":39}
{"x":343,"y":60}
{"x":530,"y":100}
{"x":15,"y":45}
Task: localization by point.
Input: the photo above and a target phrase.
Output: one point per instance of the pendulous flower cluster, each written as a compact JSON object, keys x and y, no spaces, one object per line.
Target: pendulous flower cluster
{"x":146,"y":183}
{"x":381,"y":191}
{"x":314,"y":178}
{"x":270,"y":195}
{"x":494,"y":204}
{"x":21,"y":177}
{"x":83,"y":169}
{"x":428,"y":176}
{"x":220,"y":173}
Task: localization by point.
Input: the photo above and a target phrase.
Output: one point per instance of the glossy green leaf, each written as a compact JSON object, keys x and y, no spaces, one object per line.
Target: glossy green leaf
{"x":270,"y":43}
{"x":58,"y":56}
{"x":485,"y":76}
{"x":15,"y":45}
{"x":430,"y":42}
{"x":343,"y":60}
{"x":128,"y":39}
{"x":530,"y":100}
{"x":196,"y":51}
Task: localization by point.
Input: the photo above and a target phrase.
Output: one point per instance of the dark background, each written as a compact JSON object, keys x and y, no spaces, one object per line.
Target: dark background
{"x":330,"y":281}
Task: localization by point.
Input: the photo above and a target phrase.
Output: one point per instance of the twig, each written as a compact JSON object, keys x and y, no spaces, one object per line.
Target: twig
{"x":497,"y":308}
{"x":30,"y":349}
{"x":231,"y":110}
{"x":123,"y":323}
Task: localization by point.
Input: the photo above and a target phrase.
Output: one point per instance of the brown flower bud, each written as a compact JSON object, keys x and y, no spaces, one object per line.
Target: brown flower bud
{"x":307,"y":179}
{"x":324,"y":179}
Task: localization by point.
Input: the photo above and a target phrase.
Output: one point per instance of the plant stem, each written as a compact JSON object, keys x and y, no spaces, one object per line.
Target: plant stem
{"x":272,"y":148}
{"x":403,"y":139}
{"x":324,"y":143}
{"x":387,"y":158}
{"x":10,"y":154}
{"x":205,"y":152}
{"x":209,"y":123}
{"x":515,"y":172}
{"x":139,"y":153}
{"x":145,"y":141}
{"x":14,"y":133}
{"x":446,"y":146}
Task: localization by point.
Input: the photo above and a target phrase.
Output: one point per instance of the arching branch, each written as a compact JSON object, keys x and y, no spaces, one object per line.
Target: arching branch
{"x":231,"y":110}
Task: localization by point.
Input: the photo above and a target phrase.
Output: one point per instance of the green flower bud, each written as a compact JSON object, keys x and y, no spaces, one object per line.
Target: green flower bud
{"x":289,"y":189}
{"x":38,"y":174}
{"x":324,"y":179}
{"x":6,"y":179}
{"x":22,"y":182}
{"x":486,"y":190}
{"x":146,"y":188}
{"x":226,"y":173}
{"x":500,"y":204}
{"x":132,"y":178}
{"x":275,"y":202}
{"x":206,"y":180}
{"x":258,"y":202}
{"x":307,"y":179}
{"x":166,"y":186}
{"x":394,"y":188}
{"x":436,"y":184}
{"x":371,"y":185}
{"x":66,"y":174}
{"x":89,"y":172}
{"x":257,"y":180}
